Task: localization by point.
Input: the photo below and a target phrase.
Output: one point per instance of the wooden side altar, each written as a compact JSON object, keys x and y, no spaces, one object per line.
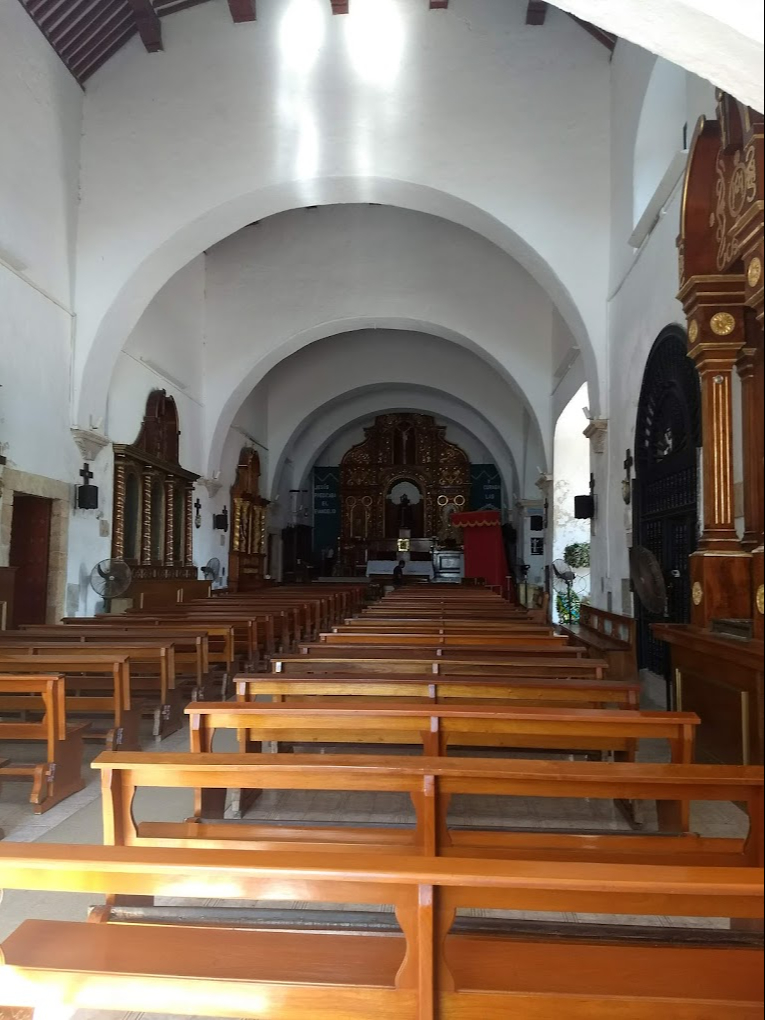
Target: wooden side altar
{"x":717,"y":660}
{"x":247,"y":553}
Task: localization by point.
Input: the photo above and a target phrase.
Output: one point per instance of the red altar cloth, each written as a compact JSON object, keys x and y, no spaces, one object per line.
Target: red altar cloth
{"x":484,"y":548}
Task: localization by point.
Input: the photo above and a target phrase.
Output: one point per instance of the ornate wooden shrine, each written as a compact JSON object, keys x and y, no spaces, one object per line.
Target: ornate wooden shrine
{"x":402,"y":448}
{"x":247,"y":552}
{"x":153,"y":498}
{"x":718,"y":659}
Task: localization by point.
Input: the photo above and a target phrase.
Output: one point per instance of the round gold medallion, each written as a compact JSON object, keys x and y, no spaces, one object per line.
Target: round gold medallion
{"x":760,"y":598}
{"x":722,"y":324}
{"x":698,"y":593}
{"x":693,"y":331}
{"x":754,"y":272}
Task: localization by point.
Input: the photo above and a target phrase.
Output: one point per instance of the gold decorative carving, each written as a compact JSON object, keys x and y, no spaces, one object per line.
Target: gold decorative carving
{"x":693,"y":331}
{"x":118,"y":537}
{"x":697,"y":593}
{"x":722,"y":323}
{"x":754,"y":272}
{"x":760,"y":599}
{"x":153,"y":458}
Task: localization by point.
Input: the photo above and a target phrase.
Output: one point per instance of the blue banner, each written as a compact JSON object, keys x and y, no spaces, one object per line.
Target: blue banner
{"x":326,"y":511}
{"x":485,"y":487}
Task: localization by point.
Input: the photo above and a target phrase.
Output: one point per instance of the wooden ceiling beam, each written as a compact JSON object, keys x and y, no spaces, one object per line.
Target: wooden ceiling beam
{"x":339,"y":6}
{"x":242,"y":10}
{"x":439,"y":5}
{"x":536,"y":12}
{"x":148,"y":24}
{"x":606,"y":39}
{"x":166,"y":7}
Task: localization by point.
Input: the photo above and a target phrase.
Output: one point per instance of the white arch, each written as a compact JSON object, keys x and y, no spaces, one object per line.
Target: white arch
{"x":720,"y":40}
{"x":256,"y":372}
{"x":324,"y":423}
{"x":97,"y":362}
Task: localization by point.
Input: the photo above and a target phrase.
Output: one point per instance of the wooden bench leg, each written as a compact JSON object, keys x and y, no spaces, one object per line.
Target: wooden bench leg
{"x":168,"y":718}
{"x":66,"y":775}
{"x":126,"y":736}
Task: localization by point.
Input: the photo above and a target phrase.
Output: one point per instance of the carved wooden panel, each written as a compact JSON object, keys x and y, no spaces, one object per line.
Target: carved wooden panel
{"x":247,"y":551}
{"x":152,"y":525}
{"x":402,"y":447}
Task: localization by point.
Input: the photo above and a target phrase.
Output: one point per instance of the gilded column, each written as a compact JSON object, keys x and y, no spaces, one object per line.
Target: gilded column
{"x":188,"y":520}
{"x":169,"y":523}
{"x":146,"y":518}
{"x":720,"y":569}
{"x":236,"y":525}
{"x":118,"y":539}
{"x":749,"y":366}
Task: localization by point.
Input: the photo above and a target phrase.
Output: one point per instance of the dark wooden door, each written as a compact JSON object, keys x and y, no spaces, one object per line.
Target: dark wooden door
{"x":665,"y":494}
{"x":30,"y":544}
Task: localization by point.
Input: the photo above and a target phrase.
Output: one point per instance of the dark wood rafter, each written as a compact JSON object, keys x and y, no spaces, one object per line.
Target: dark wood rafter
{"x":242,"y":10}
{"x":148,"y":24}
{"x":86,"y":33}
{"x":607,"y":39}
{"x":536,"y":12}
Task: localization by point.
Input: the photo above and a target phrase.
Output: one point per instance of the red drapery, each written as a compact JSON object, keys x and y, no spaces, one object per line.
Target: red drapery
{"x":484,"y":548}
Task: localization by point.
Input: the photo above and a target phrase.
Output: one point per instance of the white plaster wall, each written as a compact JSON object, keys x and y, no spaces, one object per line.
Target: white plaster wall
{"x":232,"y":123}
{"x":293,"y":279}
{"x":571,"y":472}
{"x":660,"y":131}
{"x":642,"y":302}
{"x":40,"y":118}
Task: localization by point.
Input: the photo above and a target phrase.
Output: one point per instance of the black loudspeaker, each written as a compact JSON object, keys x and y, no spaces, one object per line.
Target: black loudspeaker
{"x":536,"y":522}
{"x":584,"y":507}
{"x":87,"y":497}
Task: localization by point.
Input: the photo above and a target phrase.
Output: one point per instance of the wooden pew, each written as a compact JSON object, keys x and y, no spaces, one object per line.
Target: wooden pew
{"x":253,"y":635}
{"x":59,"y":774}
{"x":433,"y":727}
{"x":530,"y":690}
{"x":552,"y":643}
{"x":436,"y":651}
{"x":427,"y":969}
{"x":479,"y":665}
{"x":430,"y":783}
{"x":220,"y":637}
{"x":154,"y":677}
{"x":191,"y":647}
{"x":97,"y":684}
{"x":608,"y":636}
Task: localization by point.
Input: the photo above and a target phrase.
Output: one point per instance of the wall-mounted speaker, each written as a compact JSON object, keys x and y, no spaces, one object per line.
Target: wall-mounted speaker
{"x":536,"y":522}
{"x":584,"y":507}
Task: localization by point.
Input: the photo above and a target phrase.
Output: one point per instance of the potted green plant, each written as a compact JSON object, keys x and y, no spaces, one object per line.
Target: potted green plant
{"x":577,"y":555}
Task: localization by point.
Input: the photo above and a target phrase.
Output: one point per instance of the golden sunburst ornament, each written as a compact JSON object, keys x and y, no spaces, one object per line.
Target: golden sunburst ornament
{"x":722,"y":324}
{"x":754,"y":272}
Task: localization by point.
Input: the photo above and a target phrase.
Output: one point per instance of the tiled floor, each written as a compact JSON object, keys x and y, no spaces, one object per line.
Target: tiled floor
{"x":77,"y":820}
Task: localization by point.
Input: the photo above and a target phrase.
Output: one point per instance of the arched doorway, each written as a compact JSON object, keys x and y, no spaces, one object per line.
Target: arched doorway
{"x":665,"y":498}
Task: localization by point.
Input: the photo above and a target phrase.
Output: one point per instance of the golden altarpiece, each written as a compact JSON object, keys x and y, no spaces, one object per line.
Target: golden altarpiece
{"x":153,"y":499}
{"x":718,"y":659}
{"x":401,"y":448}
{"x":247,"y":551}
